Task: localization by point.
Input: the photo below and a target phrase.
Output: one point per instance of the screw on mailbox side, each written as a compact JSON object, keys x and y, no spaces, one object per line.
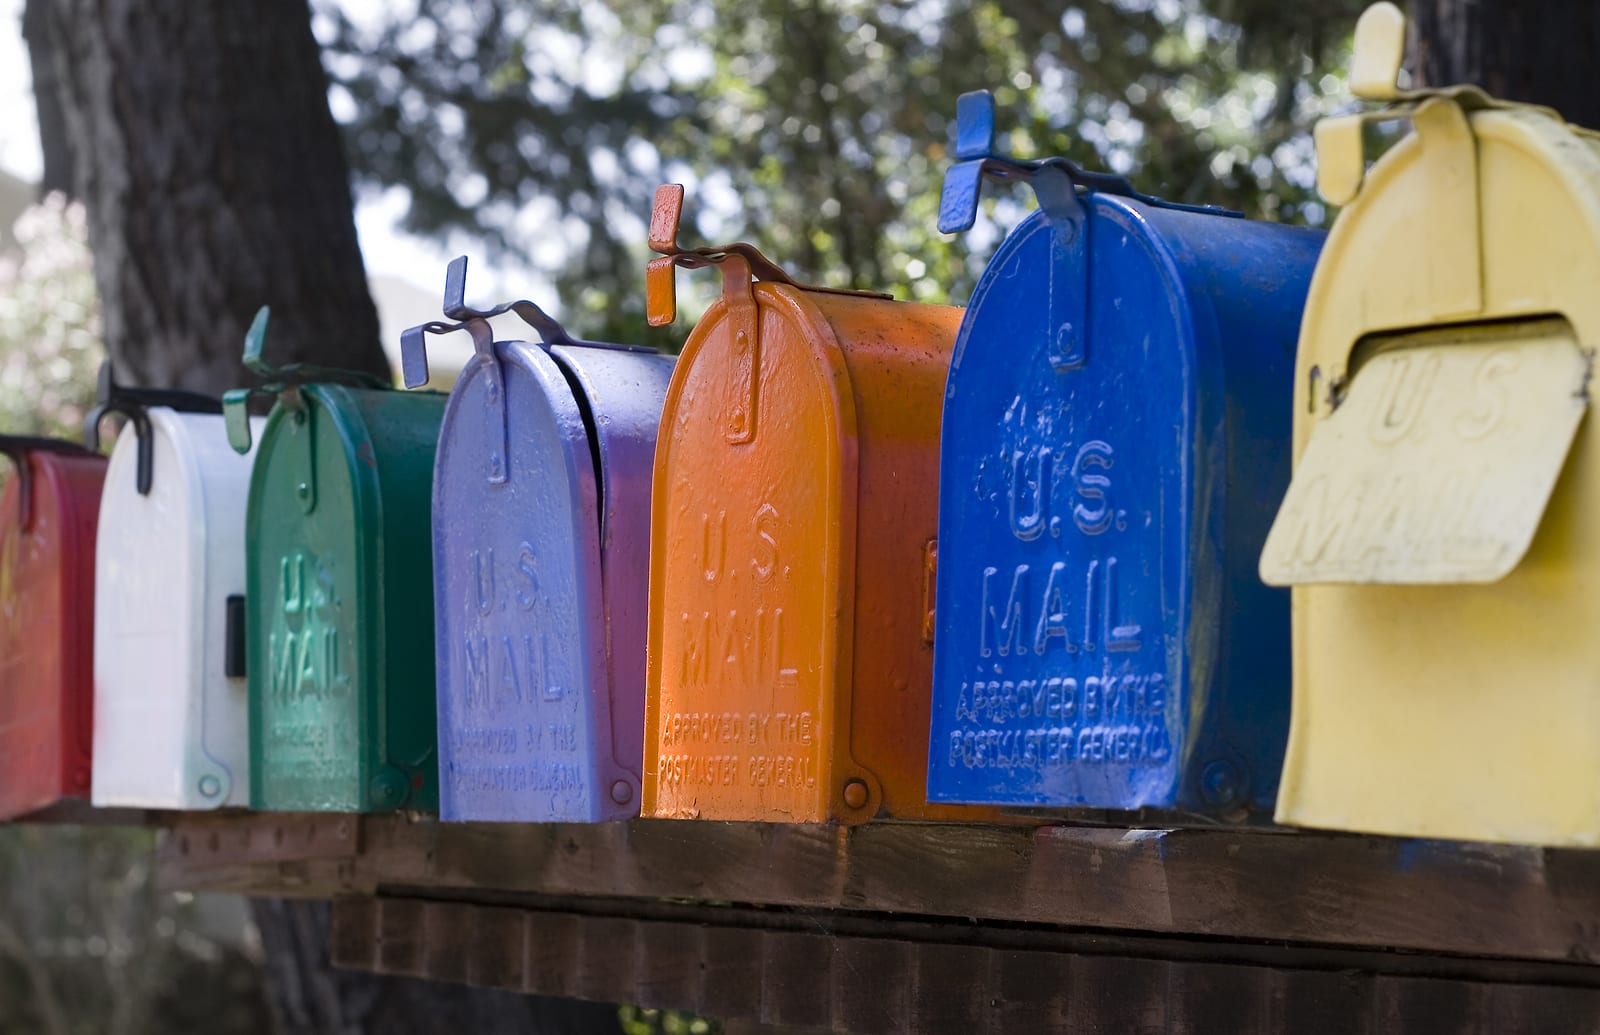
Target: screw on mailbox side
{"x":134,"y":404}
{"x":283,"y":382}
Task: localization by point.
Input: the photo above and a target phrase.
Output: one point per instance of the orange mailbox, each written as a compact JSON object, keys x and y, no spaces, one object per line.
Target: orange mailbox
{"x":792,"y":543}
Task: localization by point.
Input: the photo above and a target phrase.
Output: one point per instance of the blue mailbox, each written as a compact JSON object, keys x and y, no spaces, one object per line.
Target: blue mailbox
{"x":1115,"y":440}
{"x":541,"y":529}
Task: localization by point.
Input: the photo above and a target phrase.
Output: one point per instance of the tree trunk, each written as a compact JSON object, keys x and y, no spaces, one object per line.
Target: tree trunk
{"x":1537,"y":52}
{"x":201,"y":143}
{"x":58,"y":174}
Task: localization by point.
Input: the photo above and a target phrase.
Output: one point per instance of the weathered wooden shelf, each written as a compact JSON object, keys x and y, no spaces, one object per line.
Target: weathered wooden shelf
{"x":932,"y":927}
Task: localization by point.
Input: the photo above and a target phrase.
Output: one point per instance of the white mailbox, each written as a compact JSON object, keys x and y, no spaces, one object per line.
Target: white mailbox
{"x":171,"y":722}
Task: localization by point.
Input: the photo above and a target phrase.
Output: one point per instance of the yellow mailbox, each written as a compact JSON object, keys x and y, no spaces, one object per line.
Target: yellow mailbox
{"x":1442,"y":530}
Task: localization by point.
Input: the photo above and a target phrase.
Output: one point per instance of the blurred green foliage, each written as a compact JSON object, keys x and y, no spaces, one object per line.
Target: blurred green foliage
{"x":636,"y":1020}
{"x":817,"y":129}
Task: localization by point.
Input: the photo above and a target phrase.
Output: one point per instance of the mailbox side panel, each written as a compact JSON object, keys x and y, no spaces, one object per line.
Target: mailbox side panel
{"x":314,"y":629}
{"x":898,"y":355}
{"x":1247,"y":283}
{"x":625,"y":392}
{"x":752,"y":525}
{"x":402,"y":431}
{"x":47,"y":635}
{"x":1062,"y":673}
{"x":519,"y":613}
{"x":148,"y":635}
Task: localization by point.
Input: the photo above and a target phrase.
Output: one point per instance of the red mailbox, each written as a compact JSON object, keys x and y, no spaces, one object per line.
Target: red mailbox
{"x":48,"y":516}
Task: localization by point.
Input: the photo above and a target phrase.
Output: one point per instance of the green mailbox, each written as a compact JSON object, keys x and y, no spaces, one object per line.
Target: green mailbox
{"x":339,"y":584}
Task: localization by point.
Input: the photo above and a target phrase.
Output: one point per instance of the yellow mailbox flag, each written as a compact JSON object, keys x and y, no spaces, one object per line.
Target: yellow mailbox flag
{"x":1442,"y":530}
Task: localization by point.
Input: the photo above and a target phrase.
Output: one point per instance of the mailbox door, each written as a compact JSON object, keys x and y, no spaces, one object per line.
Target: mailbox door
{"x":1064,"y":526}
{"x":753,"y":518}
{"x":47,"y":632}
{"x":520,"y":615}
{"x":314,"y":610}
{"x":170,"y":726}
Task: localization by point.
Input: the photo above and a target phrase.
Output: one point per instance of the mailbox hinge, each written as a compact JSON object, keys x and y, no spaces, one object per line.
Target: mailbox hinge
{"x":741,"y":264}
{"x":1057,"y":183}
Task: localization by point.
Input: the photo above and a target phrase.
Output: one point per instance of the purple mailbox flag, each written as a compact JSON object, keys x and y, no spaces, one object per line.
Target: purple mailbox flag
{"x":541,"y":530}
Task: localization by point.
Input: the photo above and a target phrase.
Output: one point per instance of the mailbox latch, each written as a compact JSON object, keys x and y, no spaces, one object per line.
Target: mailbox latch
{"x":1057,"y":183}
{"x":134,"y":404}
{"x":414,"y":352}
{"x":742,"y":265}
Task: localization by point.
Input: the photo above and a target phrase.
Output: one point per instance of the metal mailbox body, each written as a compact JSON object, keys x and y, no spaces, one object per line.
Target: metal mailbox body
{"x":47,"y":546}
{"x":340,"y":602}
{"x":171,"y":723}
{"x":796,"y":482}
{"x":1440,"y":531}
{"x":1114,"y":434}
{"x":543,"y":566}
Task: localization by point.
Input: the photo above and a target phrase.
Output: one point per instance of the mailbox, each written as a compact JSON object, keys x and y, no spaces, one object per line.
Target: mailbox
{"x":796,"y":482}
{"x":1440,"y":531}
{"x":541,"y":517}
{"x":1114,"y":427}
{"x":339,"y":590}
{"x":48,"y":514}
{"x":171,"y":730}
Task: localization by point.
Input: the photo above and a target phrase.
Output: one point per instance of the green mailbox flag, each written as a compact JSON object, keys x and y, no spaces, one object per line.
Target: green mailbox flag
{"x":340,"y":593}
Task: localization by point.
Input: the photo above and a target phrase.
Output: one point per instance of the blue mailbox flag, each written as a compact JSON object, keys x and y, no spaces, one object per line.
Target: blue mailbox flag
{"x":1116,"y":436}
{"x":541,"y":520}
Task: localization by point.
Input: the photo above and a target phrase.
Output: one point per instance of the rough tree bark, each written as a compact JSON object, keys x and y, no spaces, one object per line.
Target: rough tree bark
{"x":199,"y":137}
{"x":1537,"y":51}
{"x":58,"y":174}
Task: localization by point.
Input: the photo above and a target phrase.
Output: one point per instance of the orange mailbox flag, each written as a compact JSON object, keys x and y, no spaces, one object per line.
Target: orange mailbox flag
{"x":792,"y":544}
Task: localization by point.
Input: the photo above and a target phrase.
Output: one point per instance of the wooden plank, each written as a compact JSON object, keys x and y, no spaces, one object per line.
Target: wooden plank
{"x":1302,"y":888}
{"x":262,"y":837}
{"x":869,"y":985}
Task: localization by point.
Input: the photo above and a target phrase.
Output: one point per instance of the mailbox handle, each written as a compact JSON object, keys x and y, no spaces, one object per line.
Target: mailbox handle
{"x":1058,"y":184}
{"x":16,"y":448}
{"x":134,"y":403}
{"x":660,"y":274}
{"x":978,"y":157}
{"x":281,"y":381}
{"x":413,"y":346}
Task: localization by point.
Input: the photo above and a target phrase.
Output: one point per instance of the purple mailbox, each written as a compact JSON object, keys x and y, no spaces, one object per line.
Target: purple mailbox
{"x":541,"y":534}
